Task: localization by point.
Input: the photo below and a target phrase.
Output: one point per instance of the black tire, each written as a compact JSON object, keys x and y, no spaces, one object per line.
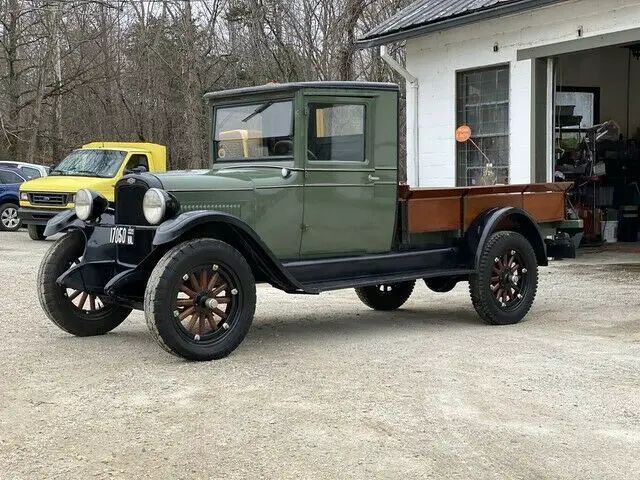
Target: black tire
{"x":161,"y":300}
{"x":9,"y":221}
{"x":59,"y":306}
{"x":36,"y":232}
{"x":488,"y":295}
{"x":440,"y":284}
{"x":387,"y":296}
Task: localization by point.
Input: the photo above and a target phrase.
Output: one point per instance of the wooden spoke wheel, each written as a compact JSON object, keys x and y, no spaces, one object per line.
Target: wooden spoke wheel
{"x":508,"y":280}
{"x":79,"y":313}
{"x":505,"y":284}
{"x":86,"y":302}
{"x":200,"y":300}
{"x":204,"y":302}
{"x":389,"y":296}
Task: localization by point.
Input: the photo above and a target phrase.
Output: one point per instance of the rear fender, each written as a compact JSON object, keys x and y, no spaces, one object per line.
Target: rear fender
{"x":508,"y":218}
{"x":232,"y":230}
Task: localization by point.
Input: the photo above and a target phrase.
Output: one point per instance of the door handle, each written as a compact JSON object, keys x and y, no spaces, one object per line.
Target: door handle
{"x":373,"y":179}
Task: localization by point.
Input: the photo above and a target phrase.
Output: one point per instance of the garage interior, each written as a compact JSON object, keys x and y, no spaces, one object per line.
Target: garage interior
{"x":596,"y":138}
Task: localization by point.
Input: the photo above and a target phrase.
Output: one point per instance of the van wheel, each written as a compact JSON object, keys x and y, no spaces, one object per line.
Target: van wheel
{"x":505,"y":285}
{"x":200,"y":300}
{"x":36,"y":232}
{"x":389,"y":296}
{"x":9,"y":220}
{"x":78,"y":313}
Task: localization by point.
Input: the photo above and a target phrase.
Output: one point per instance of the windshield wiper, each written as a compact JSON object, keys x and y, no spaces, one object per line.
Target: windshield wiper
{"x":258,"y":110}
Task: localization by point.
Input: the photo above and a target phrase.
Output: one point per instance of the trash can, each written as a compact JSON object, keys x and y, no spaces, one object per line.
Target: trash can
{"x":628,"y":225}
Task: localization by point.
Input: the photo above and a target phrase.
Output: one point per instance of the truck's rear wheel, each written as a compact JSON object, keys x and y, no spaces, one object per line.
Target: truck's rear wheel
{"x":36,"y":232}
{"x":200,"y":300}
{"x":503,"y":289}
{"x":389,"y":296}
{"x":78,"y":313}
{"x":440,"y":284}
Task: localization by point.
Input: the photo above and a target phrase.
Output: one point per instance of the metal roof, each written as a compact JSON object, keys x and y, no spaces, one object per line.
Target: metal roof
{"x":427,"y":16}
{"x":279,"y":87}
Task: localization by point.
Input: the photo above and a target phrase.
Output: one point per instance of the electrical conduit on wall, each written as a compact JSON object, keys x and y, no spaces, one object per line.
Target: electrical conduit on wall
{"x":413,"y":82}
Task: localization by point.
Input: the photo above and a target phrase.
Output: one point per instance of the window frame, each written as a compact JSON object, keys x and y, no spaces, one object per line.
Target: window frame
{"x":461,"y":104}
{"x":365,"y":102}
{"x":214,"y":154}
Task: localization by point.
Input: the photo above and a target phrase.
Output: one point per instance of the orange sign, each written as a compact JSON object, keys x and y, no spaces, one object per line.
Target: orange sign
{"x":463,"y":133}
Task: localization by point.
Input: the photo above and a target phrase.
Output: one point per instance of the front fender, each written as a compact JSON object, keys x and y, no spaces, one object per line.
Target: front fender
{"x":62,"y":222}
{"x":240,"y":235}
{"x":518,"y":220}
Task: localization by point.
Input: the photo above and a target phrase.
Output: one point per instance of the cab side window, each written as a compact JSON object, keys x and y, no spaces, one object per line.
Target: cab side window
{"x":137,"y":160}
{"x":336,"y":132}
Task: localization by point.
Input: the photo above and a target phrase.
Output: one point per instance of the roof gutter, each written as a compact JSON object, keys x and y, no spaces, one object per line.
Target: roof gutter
{"x":461,"y":20}
{"x":413,"y":82}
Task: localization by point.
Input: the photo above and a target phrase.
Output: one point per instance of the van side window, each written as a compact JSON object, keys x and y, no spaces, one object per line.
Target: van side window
{"x":138,"y":160}
{"x":336,"y":132}
{"x":31,"y":172}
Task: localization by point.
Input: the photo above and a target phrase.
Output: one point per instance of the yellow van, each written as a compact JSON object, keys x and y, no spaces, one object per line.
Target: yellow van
{"x":97,"y":165}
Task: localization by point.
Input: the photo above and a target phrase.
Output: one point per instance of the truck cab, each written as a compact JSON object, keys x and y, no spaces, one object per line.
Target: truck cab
{"x":96,"y":165}
{"x":302,"y":194}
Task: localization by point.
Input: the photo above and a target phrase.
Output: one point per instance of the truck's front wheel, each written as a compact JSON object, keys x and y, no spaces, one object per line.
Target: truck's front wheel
{"x":200,"y":300}
{"x":79,"y":313}
{"x":389,"y":296}
{"x":505,"y":285}
{"x":36,"y":232}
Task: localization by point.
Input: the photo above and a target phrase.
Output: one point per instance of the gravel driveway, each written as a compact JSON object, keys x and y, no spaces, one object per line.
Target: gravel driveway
{"x":323,"y":387}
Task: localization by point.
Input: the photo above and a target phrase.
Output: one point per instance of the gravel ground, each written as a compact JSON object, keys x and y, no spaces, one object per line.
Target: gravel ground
{"x":322,"y":387}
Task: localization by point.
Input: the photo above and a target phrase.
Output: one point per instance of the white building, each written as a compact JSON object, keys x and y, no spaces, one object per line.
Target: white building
{"x":503,"y":67}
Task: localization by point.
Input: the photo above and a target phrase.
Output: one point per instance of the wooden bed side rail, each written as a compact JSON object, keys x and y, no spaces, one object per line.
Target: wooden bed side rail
{"x":446,"y":209}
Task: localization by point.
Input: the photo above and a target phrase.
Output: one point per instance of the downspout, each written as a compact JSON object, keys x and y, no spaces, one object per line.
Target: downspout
{"x":413,"y":82}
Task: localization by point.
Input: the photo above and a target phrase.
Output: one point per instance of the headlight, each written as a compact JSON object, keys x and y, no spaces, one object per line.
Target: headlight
{"x":154,"y":205}
{"x":89,"y":204}
{"x":24,"y":196}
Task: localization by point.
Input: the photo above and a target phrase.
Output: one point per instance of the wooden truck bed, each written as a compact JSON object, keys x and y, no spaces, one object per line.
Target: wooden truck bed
{"x":445,"y":209}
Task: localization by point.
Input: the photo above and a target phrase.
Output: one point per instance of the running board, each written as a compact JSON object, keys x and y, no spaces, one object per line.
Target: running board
{"x":315,"y":276}
{"x":385,"y":279}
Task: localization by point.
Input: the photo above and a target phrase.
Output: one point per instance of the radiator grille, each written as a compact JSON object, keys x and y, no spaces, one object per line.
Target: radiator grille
{"x":129,"y":204}
{"x":57,"y":199}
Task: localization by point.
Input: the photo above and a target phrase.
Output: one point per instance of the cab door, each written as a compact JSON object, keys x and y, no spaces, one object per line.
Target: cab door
{"x":339,"y":178}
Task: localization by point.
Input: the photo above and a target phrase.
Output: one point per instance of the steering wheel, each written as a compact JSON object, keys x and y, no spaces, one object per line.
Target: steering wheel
{"x":289,"y":145}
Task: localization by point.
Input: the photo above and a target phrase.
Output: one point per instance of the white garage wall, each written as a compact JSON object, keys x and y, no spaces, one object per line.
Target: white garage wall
{"x":435,"y":59}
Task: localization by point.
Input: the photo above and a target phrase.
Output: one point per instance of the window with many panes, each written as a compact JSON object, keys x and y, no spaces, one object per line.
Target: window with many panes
{"x":483,"y":104}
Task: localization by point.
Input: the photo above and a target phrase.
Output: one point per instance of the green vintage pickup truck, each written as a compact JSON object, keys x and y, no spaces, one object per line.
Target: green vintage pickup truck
{"x":302,"y":194}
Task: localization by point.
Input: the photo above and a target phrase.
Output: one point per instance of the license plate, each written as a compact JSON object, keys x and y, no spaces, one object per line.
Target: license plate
{"x":122,"y":235}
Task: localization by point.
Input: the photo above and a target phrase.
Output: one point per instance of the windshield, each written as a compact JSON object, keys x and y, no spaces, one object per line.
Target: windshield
{"x":255,"y":131}
{"x":91,"y":163}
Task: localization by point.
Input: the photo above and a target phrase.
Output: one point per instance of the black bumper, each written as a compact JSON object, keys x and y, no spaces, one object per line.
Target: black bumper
{"x":33,"y":216}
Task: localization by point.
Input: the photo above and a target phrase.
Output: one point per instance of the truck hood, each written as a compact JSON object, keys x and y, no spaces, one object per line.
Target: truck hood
{"x":69,"y":184}
{"x":194,"y":180}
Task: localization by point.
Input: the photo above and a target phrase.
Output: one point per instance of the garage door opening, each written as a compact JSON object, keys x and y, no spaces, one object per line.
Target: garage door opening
{"x":596,"y":137}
